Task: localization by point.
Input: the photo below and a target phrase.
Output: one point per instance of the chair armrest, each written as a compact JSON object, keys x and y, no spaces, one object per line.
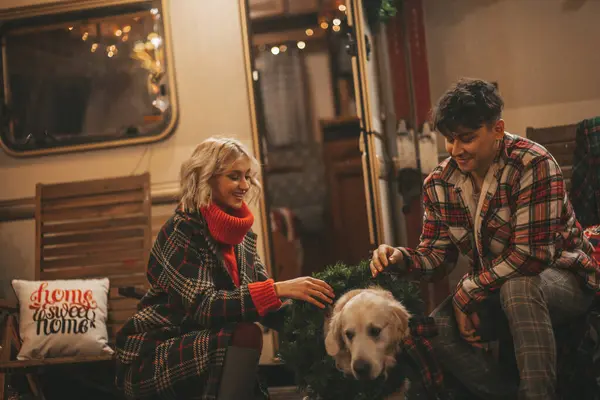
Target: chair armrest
{"x":132,"y":292}
{"x":9,"y":305}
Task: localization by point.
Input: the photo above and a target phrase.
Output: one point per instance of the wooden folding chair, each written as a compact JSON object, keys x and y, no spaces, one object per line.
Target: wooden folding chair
{"x":560,"y":142}
{"x":88,"y":229}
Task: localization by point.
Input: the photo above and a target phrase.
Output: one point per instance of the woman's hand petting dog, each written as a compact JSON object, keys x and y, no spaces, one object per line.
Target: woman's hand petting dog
{"x":383,"y":256}
{"x":306,"y":288}
{"x":467,"y":326}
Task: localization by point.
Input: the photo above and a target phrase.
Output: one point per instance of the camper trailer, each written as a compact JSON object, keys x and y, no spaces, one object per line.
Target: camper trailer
{"x":114,"y":88}
{"x":332,"y":97}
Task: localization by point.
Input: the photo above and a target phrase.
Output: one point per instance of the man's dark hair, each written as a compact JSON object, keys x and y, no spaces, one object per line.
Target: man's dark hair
{"x":468,"y":104}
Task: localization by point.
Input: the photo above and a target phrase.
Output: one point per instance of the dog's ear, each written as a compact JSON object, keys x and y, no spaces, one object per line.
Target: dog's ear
{"x":400,"y":320}
{"x":333,"y":335}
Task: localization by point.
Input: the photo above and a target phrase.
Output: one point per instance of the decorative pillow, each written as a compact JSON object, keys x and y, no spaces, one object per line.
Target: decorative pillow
{"x":62,"y":317}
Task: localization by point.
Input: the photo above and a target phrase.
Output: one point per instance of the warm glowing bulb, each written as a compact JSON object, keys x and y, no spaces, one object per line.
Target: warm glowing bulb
{"x":156,"y":41}
{"x":342,"y":7}
{"x":324,"y":25}
{"x":85,"y":36}
{"x":283,"y":48}
{"x":337,"y":22}
{"x":275,"y":50}
{"x":94,"y":47}
{"x":301,"y":45}
{"x":336,"y":28}
{"x":118,"y":32}
{"x":70,"y":28}
{"x":309,"y":32}
{"x":126,"y":28}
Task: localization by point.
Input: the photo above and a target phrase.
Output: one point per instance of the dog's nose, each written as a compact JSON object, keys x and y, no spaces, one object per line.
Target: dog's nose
{"x":362,"y":369}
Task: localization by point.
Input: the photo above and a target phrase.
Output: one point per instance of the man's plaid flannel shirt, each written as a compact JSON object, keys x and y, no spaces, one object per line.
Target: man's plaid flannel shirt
{"x":523,"y":224}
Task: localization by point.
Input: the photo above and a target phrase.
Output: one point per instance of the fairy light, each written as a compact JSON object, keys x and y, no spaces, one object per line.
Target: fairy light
{"x":301,"y":45}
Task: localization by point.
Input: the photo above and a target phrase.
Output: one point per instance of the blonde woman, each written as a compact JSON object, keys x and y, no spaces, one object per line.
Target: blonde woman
{"x":194,"y":336}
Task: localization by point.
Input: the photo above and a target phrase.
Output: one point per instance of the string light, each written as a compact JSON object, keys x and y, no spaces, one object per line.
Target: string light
{"x":309,"y":32}
{"x":85,"y":36}
{"x":156,"y":41}
{"x":111,"y":51}
{"x":301,"y":45}
{"x":118,"y":32}
{"x":324,"y":25}
{"x":342,"y":7}
{"x":283,"y":48}
{"x":336,"y":28}
{"x":275,"y":50}
{"x":337,"y":22}
{"x":127,"y":28}
{"x":94,"y":47}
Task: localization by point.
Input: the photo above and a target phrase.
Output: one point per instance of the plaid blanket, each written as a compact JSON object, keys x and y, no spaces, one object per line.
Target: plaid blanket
{"x":585,"y":189}
{"x":418,"y":349}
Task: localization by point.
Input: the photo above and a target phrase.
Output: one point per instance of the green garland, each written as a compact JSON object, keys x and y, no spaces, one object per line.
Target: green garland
{"x":302,"y":347}
{"x":380,"y":11}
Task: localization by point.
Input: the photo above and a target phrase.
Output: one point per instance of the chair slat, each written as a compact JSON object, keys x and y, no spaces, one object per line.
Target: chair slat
{"x":97,"y":186}
{"x":98,"y":224}
{"x":133,"y":196}
{"x":553,"y":134}
{"x":95,"y":247}
{"x":92,"y":212}
{"x":81,"y":238}
{"x":111,"y":257}
{"x":99,"y":271}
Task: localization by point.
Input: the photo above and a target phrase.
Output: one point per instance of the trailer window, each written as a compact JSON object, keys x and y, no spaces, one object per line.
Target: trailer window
{"x":76,"y":79}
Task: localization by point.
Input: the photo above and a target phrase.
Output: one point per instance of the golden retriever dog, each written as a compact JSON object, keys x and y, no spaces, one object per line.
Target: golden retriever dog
{"x":364,"y":332}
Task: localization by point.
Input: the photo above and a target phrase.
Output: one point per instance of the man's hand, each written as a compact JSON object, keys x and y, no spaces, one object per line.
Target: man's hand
{"x":467,"y":326}
{"x":383,"y":256}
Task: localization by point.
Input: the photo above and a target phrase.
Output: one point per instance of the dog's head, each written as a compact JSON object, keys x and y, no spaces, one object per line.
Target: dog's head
{"x":364,"y":332}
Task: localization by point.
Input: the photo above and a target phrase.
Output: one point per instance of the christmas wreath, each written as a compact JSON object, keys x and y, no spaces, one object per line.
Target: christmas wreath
{"x":302,"y":346}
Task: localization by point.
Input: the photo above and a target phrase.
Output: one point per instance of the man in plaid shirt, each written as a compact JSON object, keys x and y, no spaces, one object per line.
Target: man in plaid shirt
{"x":499,"y":200}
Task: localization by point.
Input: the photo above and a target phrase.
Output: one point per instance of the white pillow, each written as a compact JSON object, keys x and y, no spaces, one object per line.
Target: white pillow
{"x":60,"y":318}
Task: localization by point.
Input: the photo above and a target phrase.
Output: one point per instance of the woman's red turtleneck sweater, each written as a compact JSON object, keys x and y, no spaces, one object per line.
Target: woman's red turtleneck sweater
{"x":229,"y":229}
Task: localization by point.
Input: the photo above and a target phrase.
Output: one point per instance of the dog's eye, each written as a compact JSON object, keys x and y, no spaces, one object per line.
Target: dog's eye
{"x":349,"y":335}
{"x":374,"y":331}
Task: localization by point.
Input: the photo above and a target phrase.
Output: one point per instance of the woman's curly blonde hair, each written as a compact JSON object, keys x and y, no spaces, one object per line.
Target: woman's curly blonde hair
{"x":211,"y":158}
